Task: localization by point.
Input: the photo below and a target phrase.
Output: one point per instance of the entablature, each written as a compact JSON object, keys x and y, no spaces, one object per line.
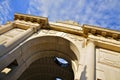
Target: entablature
{"x":102,"y":37}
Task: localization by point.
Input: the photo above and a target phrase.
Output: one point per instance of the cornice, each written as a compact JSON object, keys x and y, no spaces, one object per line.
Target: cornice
{"x":103,"y":42}
{"x":67,"y":30}
{"x":34,"y":19}
{"x":88,"y":29}
{"x":85,"y":29}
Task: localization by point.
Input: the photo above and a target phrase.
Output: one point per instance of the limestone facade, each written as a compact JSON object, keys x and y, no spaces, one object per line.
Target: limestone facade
{"x":30,"y":45}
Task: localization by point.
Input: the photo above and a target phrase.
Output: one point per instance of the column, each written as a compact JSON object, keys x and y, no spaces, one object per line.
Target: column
{"x":90,"y":61}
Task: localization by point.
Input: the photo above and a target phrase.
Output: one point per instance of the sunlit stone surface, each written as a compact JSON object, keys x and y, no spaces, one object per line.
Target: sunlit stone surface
{"x":32,"y":48}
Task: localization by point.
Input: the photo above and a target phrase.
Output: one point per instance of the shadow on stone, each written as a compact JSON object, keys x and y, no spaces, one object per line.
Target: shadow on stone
{"x":83,"y":74}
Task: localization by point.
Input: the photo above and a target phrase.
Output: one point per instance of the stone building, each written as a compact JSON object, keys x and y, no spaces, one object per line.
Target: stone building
{"x":31,"y":48}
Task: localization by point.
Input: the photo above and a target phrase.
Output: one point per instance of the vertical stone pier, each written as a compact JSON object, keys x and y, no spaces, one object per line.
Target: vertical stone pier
{"x":90,"y":61}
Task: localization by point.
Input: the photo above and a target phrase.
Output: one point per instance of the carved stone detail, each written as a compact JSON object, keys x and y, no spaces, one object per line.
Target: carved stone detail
{"x":104,"y":33}
{"x":115,"y":36}
{"x":93,"y":31}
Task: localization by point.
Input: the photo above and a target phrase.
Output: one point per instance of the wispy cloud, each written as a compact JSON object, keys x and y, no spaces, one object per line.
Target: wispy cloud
{"x":103,"y":13}
{"x":97,"y":12}
{"x":43,"y":7}
{"x":4,"y":11}
{"x":55,"y":10}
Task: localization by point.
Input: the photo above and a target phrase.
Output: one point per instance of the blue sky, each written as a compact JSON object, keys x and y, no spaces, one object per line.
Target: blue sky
{"x":103,"y":13}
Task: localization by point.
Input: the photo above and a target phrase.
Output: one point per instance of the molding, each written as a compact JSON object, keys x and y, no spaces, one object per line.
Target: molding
{"x":103,"y":42}
{"x":88,"y":29}
{"x":67,"y":30}
{"x":34,"y":19}
{"x":26,"y":25}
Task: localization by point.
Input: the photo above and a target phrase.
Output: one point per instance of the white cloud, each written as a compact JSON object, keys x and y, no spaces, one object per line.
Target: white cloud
{"x":54,"y":9}
{"x":102,"y":13}
{"x":42,"y":7}
{"x":97,"y":12}
{"x":4,"y":11}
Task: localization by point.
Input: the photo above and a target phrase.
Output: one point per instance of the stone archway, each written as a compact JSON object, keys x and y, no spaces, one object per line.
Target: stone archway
{"x":47,"y":69}
{"x":47,"y":47}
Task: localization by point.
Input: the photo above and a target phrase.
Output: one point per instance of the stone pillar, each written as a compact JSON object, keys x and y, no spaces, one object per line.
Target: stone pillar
{"x":90,"y":61}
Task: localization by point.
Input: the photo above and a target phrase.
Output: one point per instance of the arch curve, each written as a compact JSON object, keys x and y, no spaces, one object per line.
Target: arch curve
{"x":50,"y":46}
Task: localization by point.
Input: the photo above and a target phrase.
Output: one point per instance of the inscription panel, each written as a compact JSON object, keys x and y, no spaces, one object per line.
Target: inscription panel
{"x":109,"y":57}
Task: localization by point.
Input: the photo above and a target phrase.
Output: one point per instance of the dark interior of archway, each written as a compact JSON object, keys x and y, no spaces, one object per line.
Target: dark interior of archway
{"x":47,"y":69}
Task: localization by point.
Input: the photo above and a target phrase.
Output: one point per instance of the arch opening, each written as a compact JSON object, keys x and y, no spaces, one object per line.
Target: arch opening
{"x":49,"y":47}
{"x":46,"y":69}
